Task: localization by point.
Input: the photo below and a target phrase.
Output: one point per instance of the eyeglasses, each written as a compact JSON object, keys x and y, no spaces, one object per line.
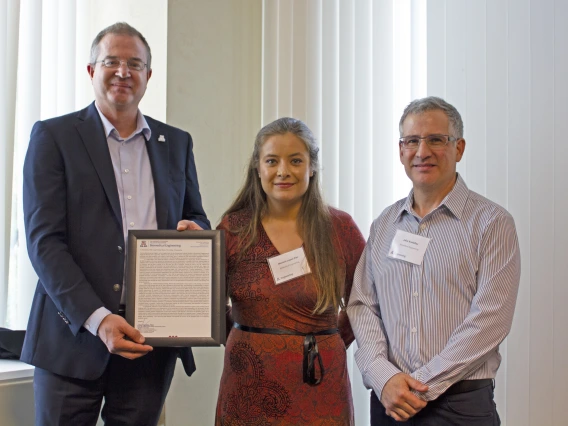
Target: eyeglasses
{"x":411,"y":143}
{"x":132,"y":64}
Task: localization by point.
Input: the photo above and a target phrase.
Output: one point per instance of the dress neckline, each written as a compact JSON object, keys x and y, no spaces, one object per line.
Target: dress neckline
{"x":265,"y":235}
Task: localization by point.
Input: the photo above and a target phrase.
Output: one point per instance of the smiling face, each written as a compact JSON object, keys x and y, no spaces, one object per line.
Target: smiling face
{"x":284,"y":169}
{"x":118,"y":90}
{"x":431,"y":170}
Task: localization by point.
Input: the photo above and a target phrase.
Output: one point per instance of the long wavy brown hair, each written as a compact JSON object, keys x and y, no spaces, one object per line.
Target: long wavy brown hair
{"x":314,"y":217}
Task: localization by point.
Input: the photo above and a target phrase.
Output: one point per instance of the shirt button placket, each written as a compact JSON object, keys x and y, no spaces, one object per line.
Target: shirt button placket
{"x":422,"y":230}
{"x":416,"y":315}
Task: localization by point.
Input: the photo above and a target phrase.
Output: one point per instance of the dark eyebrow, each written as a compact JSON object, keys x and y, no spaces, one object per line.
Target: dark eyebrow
{"x":295,"y":154}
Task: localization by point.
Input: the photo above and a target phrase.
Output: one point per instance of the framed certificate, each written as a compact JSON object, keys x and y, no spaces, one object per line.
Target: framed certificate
{"x":175,"y":287}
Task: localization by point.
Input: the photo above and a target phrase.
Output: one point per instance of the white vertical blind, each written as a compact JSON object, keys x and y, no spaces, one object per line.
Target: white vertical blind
{"x":541,"y":207}
{"x":518,"y":178}
{"x":346,"y":175}
{"x":352,"y":69}
{"x":557,"y":153}
{"x":418,"y":48}
{"x":475,"y":102}
{"x":384,"y":127}
{"x":435,"y":46}
{"x":497,"y":134}
{"x":285,"y":58}
{"x":300,"y":45}
{"x":270,"y":70}
{"x":45,"y":64}
{"x":65,"y":57}
{"x":8,"y":47}
{"x":313,"y":64}
{"x":84,"y":36}
{"x":505,"y":71}
{"x":57,"y":50}
{"x":330,"y":100}
{"x":5,"y":165}
{"x":363,"y":108}
{"x":402,"y":82}
{"x":28,"y":108}
{"x":503,"y":64}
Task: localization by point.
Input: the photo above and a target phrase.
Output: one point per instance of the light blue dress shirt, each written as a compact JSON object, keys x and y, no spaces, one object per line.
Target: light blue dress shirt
{"x":135,"y":185}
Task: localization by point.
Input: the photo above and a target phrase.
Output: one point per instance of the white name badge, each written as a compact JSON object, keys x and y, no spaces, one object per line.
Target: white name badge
{"x":408,"y":247}
{"x":288,"y":266}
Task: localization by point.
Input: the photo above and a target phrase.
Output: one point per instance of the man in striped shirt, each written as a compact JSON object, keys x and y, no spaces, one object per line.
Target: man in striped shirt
{"x":435,"y":289}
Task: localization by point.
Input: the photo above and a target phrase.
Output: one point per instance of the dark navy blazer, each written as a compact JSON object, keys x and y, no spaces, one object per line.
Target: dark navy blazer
{"x":75,"y":236}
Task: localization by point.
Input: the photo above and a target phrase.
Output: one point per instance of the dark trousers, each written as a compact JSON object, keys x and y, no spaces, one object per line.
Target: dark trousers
{"x":474,"y":408}
{"x":134,"y":392}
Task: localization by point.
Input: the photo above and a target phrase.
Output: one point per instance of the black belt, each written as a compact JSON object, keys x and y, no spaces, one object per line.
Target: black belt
{"x":467,"y":386}
{"x":311,"y":352}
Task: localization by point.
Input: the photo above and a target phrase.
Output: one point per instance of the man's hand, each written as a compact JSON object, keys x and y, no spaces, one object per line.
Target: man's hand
{"x":184,"y":225}
{"x":114,"y":332}
{"x":400,"y":403}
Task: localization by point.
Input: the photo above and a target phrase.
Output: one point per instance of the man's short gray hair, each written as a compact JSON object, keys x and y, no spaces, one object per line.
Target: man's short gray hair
{"x":120,"y":28}
{"x":431,"y":103}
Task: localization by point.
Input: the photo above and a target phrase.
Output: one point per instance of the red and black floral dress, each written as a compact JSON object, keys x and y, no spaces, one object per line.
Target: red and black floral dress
{"x":262,"y":381}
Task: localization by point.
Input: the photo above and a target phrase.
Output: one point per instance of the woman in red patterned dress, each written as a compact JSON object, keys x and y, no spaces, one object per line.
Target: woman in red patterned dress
{"x":285,"y":357}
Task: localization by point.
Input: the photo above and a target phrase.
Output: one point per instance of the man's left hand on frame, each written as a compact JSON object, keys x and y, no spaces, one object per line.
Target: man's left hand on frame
{"x":188,"y":225}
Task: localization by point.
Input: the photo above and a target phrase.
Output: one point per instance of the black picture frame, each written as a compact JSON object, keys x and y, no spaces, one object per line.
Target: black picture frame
{"x":218,"y":299}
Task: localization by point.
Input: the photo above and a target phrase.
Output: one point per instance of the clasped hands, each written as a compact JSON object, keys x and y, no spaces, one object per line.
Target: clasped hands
{"x":397,"y":397}
{"x":120,"y":337}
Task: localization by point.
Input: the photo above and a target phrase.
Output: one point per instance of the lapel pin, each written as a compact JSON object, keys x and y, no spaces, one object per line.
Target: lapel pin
{"x":161,"y":138}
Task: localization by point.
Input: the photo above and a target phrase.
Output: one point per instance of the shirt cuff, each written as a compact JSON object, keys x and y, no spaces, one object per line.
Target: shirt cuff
{"x":92,"y":323}
{"x":434,"y":389}
{"x":378,"y":374}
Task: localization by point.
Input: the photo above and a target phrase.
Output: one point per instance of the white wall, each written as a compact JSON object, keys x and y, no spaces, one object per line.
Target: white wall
{"x":214,"y":87}
{"x":214,"y":67}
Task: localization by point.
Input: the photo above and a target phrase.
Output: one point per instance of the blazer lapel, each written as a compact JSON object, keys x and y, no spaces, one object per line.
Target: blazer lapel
{"x":158,"y":152}
{"x":92,"y":133}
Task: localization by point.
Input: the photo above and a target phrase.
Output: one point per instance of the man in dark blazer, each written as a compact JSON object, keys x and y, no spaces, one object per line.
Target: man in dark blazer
{"x":89,"y":177}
